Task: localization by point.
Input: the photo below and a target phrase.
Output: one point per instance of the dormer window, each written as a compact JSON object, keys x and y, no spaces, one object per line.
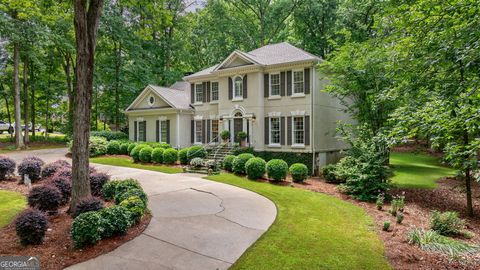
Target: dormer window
{"x":199,"y":93}
{"x":238,"y":83}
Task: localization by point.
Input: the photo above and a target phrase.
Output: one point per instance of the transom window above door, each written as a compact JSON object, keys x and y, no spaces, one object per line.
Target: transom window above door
{"x":198,"y":93}
{"x":238,"y":83}
{"x":275,"y":84}
{"x":298,"y":82}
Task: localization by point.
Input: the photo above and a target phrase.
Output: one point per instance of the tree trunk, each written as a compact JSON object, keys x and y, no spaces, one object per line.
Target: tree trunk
{"x":67,"y":67}
{"x":86,"y":20}
{"x":25,"y":101}
{"x":32,"y":101}
{"x":5,"y":97}
{"x":118,"y":52}
{"x":468,"y":187}
{"x":16,"y":85}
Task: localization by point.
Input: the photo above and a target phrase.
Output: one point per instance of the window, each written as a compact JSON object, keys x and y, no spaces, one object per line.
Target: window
{"x":298,"y":130}
{"x":214,"y":91}
{"x":214,"y":130}
{"x":275,"y":84}
{"x":198,"y":131}
{"x":298,"y":82}
{"x":275,"y":130}
{"x":141,"y":131}
{"x":238,"y":93}
{"x":198,"y":93}
{"x":163,"y":131}
{"x":151,"y":100}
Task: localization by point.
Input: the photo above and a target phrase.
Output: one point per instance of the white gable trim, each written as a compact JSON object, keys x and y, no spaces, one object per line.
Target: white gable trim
{"x":232,"y":56}
{"x":144,"y":93}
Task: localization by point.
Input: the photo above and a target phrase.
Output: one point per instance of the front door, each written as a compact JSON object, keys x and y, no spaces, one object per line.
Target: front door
{"x":237,"y":127}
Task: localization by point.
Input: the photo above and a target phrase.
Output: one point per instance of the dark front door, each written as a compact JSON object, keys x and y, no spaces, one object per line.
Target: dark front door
{"x":237,"y":127}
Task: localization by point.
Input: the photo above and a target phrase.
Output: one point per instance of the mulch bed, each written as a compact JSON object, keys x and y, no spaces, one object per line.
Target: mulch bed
{"x":57,"y":251}
{"x":448,"y":196}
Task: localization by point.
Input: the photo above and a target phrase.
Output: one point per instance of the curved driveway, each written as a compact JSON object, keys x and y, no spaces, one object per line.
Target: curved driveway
{"x":196,"y":224}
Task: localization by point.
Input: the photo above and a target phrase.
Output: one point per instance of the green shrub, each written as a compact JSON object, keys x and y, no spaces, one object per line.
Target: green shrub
{"x":157,"y":155}
{"x":196,"y":151}
{"x":165,"y":145}
{"x":109,"y":189}
{"x":130,"y":147}
{"x":112,"y":188}
{"x":255,"y":168}
{"x":328,"y":173}
{"x":183,"y":156}
{"x":116,"y":220}
{"x":289,"y":157}
{"x":135,"y":154}
{"x":228,"y":162}
{"x":386,"y":225}
{"x":197,"y":162}
{"x":152,"y":144}
{"x":87,"y":229}
{"x":113,"y":148}
{"x":136,"y":207}
{"x":240,"y":161}
{"x":97,"y":146}
{"x":170,"y":156}
{"x":146,"y":154}
{"x":277,"y":169}
{"x":110,"y":135}
{"x":225,"y":134}
{"x":237,"y":150}
{"x":241,"y":135}
{"x":120,"y":196}
{"x":446,"y":223}
{"x":124,"y":148}
{"x":299,"y":172}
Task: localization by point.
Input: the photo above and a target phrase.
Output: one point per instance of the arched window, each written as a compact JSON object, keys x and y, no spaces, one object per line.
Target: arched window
{"x":238,"y":93}
{"x":238,"y":115}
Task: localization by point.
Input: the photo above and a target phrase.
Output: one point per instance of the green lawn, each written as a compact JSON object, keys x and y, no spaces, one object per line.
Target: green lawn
{"x":10,"y":204}
{"x":312,"y":231}
{"x":417,"y":170}
{"x":126,"y":162}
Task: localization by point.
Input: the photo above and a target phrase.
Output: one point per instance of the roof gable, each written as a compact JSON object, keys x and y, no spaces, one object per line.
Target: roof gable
{"x":142,"y":101}
{"x":236,"y":59}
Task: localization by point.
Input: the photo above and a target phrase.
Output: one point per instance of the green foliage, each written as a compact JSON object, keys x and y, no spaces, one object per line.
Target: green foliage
{"x":289,"y":157}
{"x":398,"y":204}
{"x":87,"y":229}
{"x":135,"y":153}
{"x":97,"y":146}
{"x":446,"y":223}
{"x":115,"y":220}
{"x":109,"y":189}
{"x":240,"y":161}
{"x":255,"y":168}
{"x":380,"y":201}
{"x":157,"y":155}
{"x":242,"y":150}
{"x":130,"y":147}
{"x":228,"y":162}
{"x":241,"y":135}
{"x":146,"y":154}
{"x":183,"y":156}
{"x":110,"y":135}
{"x":386,"y":225}
{"x":136,"y":207}
{"x":124,"y":148}
{"x":113,"y":148}
{"x":400,"y":217}
{"x":196,"y":151}
{"x":277,"y":169}
{"x":113,"y":188}
{"x":299,"y":172}
{"x":170,"y":156}
{"x":197,"y":162}
{"x":120,"y":196}
{"x":225,"y":134}
{"x":328,"y":173}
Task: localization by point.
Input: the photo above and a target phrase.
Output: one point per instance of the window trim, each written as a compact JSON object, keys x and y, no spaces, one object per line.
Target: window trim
{"x":160,"y":130}
{"x":294,"y":144}
{"x":196,"y":96}
{"x":211,"y":92}
{"x":138,"y":130}
{"x":270,"y":137}
{"x":279,"y":85}
{"x":299,"y":94}
{"x":234,"y":96}
{"x":196,"y":122}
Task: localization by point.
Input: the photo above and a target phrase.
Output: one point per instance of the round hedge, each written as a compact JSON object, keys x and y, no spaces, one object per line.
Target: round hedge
{"x":255,"y":168}
{"x":299,"y":172}
{"x":87,"y":229}
{"x":124,"y":148}
{"x":97,"y":181}
{"x":119,"y":197}
{"x":239,"y":162}
{"x":146,"y":154}
{"x":170,"y":156}
{"x":196,"y":151}
{"x":31,"y":226}
{"x":52,"y":168}
{"x":136,"y":207}
{"x":31,"y":166}
{"x":113,"y":148}
{"x":228,"y":162}
{"x":116,"y":220}
{"x":277,"y":169}
{"x":45,"y":198}
{"x":157,"y":155}
{"x":183,"y":156}
{"x":88,"y":204}
{"x":135,"y":153}
{"x":130,"y":147}
{"x":7,"y":167}
{"x":112,"y":188}
{"x":64,"y":185}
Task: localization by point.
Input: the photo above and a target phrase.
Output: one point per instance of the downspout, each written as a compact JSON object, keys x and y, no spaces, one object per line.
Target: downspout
{"x":312,"y":117}
{"x":178,"y":129}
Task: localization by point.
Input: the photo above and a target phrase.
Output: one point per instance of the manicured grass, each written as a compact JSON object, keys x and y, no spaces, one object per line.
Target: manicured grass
{"x":312,"y":231}
{"x":11,"y":148}
{"x":417,"y":170}
{"x":10,"y":204}
{"x":126,"y":162}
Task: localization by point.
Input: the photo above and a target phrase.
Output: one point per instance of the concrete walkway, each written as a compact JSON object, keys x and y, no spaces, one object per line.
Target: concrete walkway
{"x":197,"y":224}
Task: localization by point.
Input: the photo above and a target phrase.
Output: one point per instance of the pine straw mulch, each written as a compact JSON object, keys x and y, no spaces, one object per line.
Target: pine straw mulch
{"x":448,"y":196}
{"x":57,"y":251}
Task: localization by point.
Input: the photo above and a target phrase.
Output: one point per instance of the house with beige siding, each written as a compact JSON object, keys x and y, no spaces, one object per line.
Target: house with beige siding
{"x":273,"y":94}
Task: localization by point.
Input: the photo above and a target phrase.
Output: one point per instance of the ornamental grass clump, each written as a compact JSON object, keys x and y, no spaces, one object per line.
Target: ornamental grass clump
{"x":7,"y":167}
{"x":31,"y":166}
{"x":157,"y":155}
{"x":277,"y":169}
{"x":240,"y":161}
{"x":88,"y":204}
{"x":299,"y":172}
{"x":446,"y":223}
{"x":45,"y":198}
{"x":31,"y":226}
{"x":145,"y":154}
{"x":97,"y":181}
{"x":255,"y":168}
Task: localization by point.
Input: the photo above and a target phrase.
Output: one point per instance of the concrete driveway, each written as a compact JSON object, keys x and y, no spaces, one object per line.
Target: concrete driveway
{"x":197,"y":224}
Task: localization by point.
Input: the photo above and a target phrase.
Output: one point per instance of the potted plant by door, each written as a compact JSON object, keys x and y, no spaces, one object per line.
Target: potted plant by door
{"x":242,"y":137}
{"x":225,"y":136}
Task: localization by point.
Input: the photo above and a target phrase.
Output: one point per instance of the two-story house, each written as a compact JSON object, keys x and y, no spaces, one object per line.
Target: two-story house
{"x":273,"y":94}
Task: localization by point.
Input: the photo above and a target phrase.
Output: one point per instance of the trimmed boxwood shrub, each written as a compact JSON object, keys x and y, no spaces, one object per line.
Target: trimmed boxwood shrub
{"x":183,"y":156}
{"x":196,"y":151}
{"x":64,"y":185}
{"x":97,"y":181}
{"x":52,"y":168}
{"x":228,"y":162}
{"x":277,"y":169}
{"x":255,"y":168}
{"x":165,"y":145}
{"x":87,"y":229}
{"x":130,"y":147}
{"x":7,"y":167}
{"x":120,"y":196}
{"x":113,"y":148}
{"x":289,"y":157}
{"x":31,"y":166}
{"x":146,"y":154}
{"x":136,"y":207}
{"x":31,"y":226}
{"x":170,"y":156}
{"x":299,"y":172}
{"x":157,"y":155}
{"x":110,"y":135}
{"x":239,"y":162}
{"x":45,"y":198}
{"x":116,"y":220}
{"x":88,"y":204}
{"x":112,"y":188}
{"x":97,"y":146}
{"x":124,"y":148}
{"x":135,"y":153}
